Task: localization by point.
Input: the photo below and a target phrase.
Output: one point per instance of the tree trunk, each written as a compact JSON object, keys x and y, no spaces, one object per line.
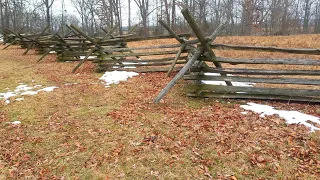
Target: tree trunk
{"x":173,"y":19}
{"x":166,"y":6}
{"x":247,"y":17}
{"x":306,"y":17}
{"x":317,"y":19}
{"x":284,"y":23}
{"x":1,"y":11}
{"x":6,"y":15}
{"x":129,"y":18}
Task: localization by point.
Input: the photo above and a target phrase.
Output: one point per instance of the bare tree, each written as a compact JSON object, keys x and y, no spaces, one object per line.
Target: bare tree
{"x":129,"y":14}
{"x":317,"y":18}
{"x":48,"y":4}
{"x":84,"y":9}
{"x":307,"y":14}
{"x":143,"y":6}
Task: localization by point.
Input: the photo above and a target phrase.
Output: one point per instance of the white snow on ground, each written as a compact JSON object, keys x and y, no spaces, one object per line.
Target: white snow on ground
{"x":48,"y":89}
{"x":129,"y":63}
{"x":115,"y":77}
{"x":291,"y":117}
{"x":242,"y":84}
{"x":130,"y":67}
{"x":90,"y":57}
{"x":29,"y":93}
{"x":23,"y":90}
{"x":70,"y":84}
{"x":16,"y":123}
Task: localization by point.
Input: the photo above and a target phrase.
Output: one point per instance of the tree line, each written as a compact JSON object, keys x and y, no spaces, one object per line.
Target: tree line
{"x":244,"y":17}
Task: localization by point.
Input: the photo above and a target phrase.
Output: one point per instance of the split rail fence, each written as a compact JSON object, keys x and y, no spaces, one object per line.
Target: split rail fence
{"x":280,"y":79}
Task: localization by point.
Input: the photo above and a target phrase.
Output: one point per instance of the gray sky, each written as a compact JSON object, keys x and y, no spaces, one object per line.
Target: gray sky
{"x":57,"y":8}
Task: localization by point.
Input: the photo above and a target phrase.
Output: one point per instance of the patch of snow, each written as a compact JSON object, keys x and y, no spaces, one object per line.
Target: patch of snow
{"x":115,"y":77}
{"x":29,"y":93}
{"x":132,"y":63}
{"x":70,"y":84}
{"x":7,"y":95}
{"x":128,"y":63}
{"x":37,"y":86}
{"x":215,"y":74}
{"x":244,"y":113}
{"x":222,"y":83}
{"x":16,"y":123}
{"x":48,"y":89}
{"x":291,"y":117}
{"x":23,"y":90}
{"x":90,"y":57}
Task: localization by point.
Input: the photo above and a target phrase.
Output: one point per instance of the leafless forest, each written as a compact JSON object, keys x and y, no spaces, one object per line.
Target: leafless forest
{"x":245,"y":17}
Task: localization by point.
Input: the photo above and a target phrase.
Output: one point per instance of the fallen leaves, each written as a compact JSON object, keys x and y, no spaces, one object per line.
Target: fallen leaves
{"x":180,"y":138}
{"x":258,"y":160}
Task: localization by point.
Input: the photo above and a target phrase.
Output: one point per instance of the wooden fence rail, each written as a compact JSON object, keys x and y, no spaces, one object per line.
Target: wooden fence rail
{"x":262,"y":78}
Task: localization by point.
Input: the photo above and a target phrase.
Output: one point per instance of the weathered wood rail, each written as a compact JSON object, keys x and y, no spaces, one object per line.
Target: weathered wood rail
{"x":108,"y":53}
{"x":111,"y":52}
{"x":283,"y":84}
{"x":267,"y":49}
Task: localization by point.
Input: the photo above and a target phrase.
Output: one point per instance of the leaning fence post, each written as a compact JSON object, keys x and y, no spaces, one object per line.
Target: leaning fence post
{"x":83,"y":60}
{"x":203,"y":41}
{"x":183,"y":47}
{"x":14,"y":41}
{"x":179,"y":75}
{"x":110,"y":32}
{"x":86,"y":36}
{"x":190,"y":62}
{"x":183,"y":42}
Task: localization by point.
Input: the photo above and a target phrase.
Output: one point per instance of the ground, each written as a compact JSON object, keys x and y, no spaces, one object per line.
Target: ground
{"x":88,"y":131}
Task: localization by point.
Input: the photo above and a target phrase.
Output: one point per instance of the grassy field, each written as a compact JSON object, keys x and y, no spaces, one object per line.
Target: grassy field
{"x":88,"y":131}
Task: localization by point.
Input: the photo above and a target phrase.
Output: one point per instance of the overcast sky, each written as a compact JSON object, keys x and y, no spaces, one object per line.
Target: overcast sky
{"x":57,"y":8}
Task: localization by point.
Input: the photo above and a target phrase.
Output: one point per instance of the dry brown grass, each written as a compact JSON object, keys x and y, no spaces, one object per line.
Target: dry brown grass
{"x":87,"y":131}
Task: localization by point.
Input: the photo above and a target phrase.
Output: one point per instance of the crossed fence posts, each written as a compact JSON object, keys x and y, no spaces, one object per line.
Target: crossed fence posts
{"x":203,"y":50}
